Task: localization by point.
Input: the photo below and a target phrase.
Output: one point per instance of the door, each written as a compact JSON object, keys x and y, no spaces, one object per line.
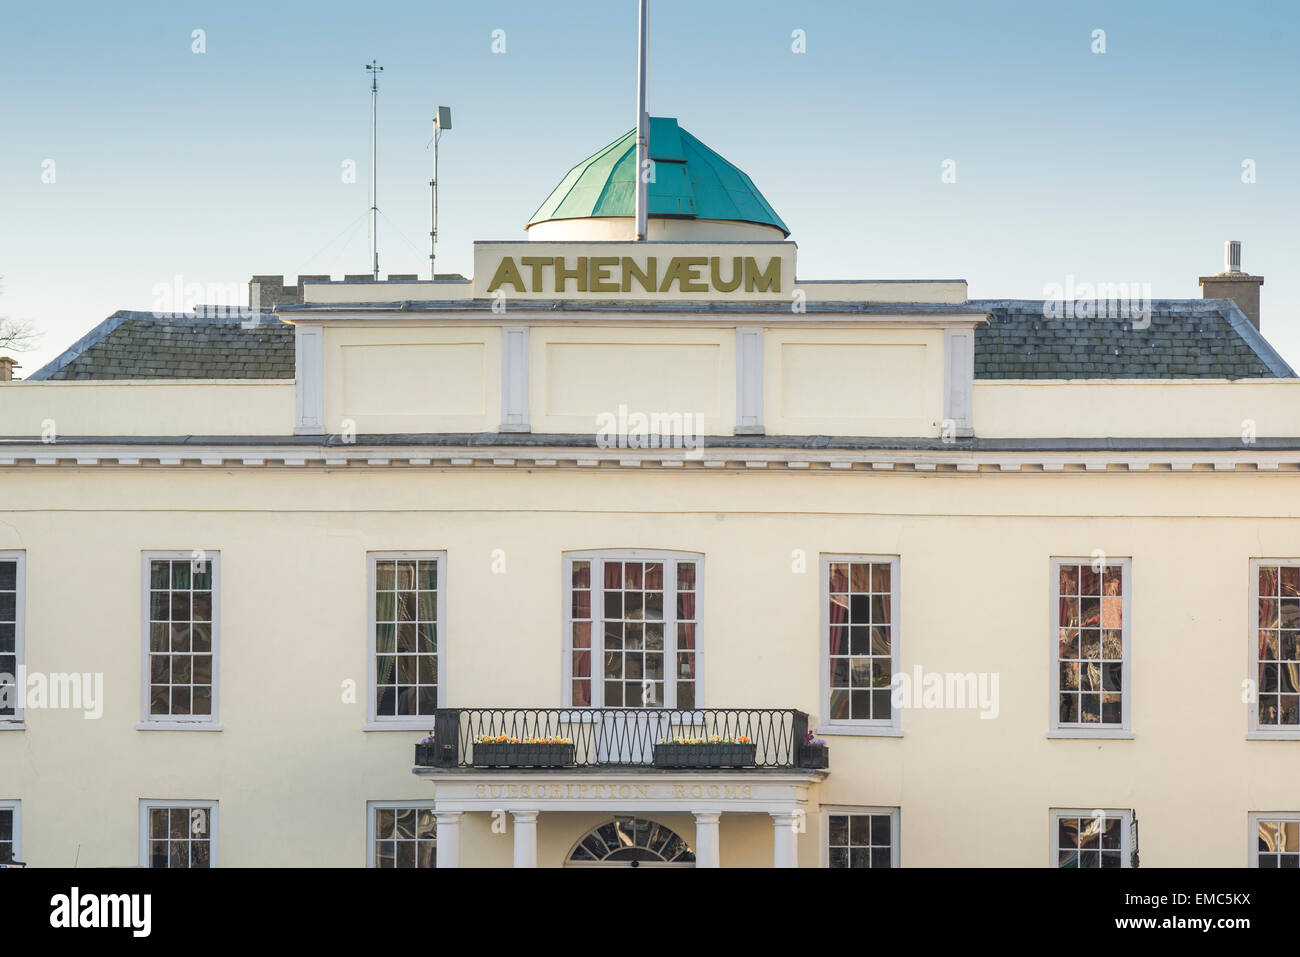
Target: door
{"x":641,"y":621}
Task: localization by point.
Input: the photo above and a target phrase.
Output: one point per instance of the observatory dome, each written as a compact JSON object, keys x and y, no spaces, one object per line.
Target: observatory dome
{"x":695,"y":195}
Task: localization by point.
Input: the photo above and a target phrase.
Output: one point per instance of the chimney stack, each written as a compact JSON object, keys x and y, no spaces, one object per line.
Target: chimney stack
{"x":7,"y":367}
{"x":1232,"y":283}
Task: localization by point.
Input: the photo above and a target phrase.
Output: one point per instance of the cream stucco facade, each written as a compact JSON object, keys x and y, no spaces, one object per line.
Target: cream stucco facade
{"x":495,"y":438}
{"x":293,"y":544}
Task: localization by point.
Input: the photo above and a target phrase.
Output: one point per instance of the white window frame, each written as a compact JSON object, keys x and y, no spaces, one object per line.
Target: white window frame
{"x":207,"y":722}
{"x":893,"y":727}
{"x":376,"y":722}
{"x":1056,"y":729}
{"x":1252,"y":843}
{"x":17,"y":808}
{"x":17,"y":721}
{"x":895,"y":829}
{"x":598,"y":557}
{"x":1125,"y":816}
{"x":1254,"y":730}
{"x":373,"y":806}
{"x":147,"y":805}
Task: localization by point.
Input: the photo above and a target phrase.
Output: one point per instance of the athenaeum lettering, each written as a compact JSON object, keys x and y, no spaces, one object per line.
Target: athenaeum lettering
{"x":623,"y":274}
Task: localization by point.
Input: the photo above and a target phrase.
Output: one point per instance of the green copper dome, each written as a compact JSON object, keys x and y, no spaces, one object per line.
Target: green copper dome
{"x":691,"y":182}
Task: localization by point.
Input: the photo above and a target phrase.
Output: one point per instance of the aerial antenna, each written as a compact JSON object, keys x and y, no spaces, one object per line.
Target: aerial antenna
{"x":374,"y":69}
{"x":441,"y":121}
{"x":642,"y":131}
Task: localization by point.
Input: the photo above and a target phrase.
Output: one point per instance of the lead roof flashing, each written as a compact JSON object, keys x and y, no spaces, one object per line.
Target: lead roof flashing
{"x":80,"y":346}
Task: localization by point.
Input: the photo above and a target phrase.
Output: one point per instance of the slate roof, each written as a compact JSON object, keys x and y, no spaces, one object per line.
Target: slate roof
{"x":1186,"y":339}
{"x":1195,"y":338}
{"x":142,"y":345}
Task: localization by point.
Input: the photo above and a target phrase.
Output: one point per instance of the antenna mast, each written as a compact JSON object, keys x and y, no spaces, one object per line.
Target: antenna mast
{"x":441,"y":121}
{"x":642,"y":131}
{"x":374,"y":69}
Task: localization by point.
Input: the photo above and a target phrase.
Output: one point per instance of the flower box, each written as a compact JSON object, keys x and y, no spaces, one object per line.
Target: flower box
{"x":426,"y":755}
{"x":727,"y":755}
{"x":814,"y":756}
{"x":521,"y":755}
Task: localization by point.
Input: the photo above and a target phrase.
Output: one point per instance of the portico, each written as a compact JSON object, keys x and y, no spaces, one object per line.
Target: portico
{"x":782,"y":796}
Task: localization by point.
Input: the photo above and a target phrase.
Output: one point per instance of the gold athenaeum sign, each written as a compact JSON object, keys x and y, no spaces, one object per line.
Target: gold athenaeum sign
{"x":634,"y":271}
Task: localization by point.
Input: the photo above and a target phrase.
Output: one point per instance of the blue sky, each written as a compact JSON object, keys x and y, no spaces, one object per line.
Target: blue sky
{"x":1117,"y":167}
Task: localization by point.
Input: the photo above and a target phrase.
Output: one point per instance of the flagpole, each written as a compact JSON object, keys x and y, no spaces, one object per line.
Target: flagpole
{"x":375,"y":69}
{"x":642,"y":132}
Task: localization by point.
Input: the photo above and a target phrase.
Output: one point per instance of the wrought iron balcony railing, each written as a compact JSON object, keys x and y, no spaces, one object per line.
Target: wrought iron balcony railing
{"x":622,"y":737}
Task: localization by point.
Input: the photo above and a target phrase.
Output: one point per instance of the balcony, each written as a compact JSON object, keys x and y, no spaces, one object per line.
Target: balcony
{"x":623,"y":738}
{"x":614,"y":761}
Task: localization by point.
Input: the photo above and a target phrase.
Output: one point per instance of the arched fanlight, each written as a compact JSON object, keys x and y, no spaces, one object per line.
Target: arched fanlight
{"x":631,"y":840}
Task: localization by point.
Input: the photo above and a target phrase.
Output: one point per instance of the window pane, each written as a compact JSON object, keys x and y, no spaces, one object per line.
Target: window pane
{"x":404,"y":837}
{"x":1278,"y":647}
{"x":175,"y":690}
{"x":406,"y":637}
{"x":180,"y":836}
{"x":201,"y":637}
{"x":1288,"y":580}
{"x":1089,"y":580}
{"x":1090,"y":644}
{"x":860,"y":655}
{"x":582,"y":694}
{"x":1089,"y":841}
{"x":859,"y":840}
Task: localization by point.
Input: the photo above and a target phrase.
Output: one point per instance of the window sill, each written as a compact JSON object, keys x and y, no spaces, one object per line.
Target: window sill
{"x":425,"y":726}
{"x":13,"y":725}
{"x":177,"y":726}
{"x":1273,"y":736}
{"x":865,"y":731}
{"x":1114,"y":734}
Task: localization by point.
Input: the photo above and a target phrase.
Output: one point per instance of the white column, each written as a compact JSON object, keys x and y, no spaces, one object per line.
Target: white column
{"x":448,"y":838}
{"x":708,"y":847}
{"x":785,"y":838}
{"x":525,"y":838}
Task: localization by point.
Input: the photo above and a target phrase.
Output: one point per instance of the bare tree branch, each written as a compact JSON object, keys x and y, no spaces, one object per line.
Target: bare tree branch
{"x":17,"y":335}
